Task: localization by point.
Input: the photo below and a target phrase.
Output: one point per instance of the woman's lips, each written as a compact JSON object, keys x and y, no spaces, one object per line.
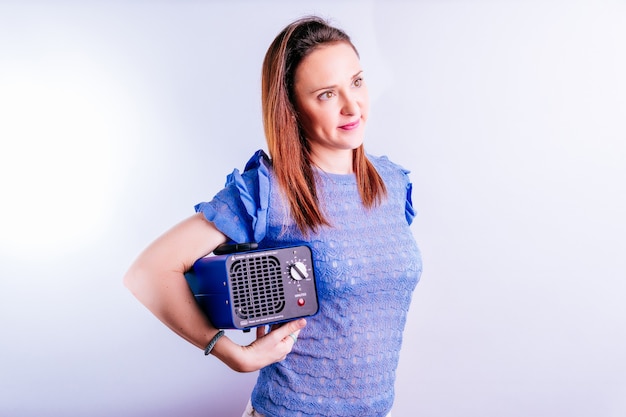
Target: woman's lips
{"x":351,"y":126}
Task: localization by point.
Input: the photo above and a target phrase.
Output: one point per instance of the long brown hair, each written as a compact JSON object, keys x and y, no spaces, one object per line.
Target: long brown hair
{"x":287,"y":145}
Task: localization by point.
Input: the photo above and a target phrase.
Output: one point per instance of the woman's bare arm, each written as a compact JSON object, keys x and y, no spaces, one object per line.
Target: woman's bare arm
{"x":157,"y":279}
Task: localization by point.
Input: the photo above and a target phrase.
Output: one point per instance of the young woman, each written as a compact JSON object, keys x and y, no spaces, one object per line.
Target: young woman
{"x":318,"y":187}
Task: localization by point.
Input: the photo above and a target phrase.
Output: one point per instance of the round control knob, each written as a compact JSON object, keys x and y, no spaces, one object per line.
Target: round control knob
{"x":298,"y":271}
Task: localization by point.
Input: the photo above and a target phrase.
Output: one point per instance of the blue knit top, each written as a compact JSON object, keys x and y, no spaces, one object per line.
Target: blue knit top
{"x":366,"y":265}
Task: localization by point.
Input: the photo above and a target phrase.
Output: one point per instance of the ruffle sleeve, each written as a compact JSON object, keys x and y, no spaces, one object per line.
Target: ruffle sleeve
{"x":239,"y":210}
{"x":409,"y":210}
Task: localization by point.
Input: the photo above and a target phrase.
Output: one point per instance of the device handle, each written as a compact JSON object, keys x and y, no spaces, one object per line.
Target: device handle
{"x":226,"y":248}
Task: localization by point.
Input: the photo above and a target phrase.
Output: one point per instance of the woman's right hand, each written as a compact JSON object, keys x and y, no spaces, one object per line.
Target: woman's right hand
{"x":268,"y":348}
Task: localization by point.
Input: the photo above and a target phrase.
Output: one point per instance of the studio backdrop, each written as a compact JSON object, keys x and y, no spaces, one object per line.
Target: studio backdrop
{"x":116,"y":118}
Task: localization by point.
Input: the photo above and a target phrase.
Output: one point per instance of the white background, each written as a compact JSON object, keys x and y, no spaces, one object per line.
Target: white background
{"x":117,"y":117}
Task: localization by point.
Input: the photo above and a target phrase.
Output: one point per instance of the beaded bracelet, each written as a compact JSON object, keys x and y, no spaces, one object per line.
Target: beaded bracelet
{"x":212,"y":343}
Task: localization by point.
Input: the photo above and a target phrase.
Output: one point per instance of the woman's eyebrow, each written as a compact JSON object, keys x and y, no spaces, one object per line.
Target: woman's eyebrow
{"x":330,"y":87}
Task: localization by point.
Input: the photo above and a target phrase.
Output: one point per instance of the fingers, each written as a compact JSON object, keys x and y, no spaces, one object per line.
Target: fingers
{"x":273,"y":346}
{"x":260,"y":332}
{"x":284,"y":332}
{"x":289,"y":333}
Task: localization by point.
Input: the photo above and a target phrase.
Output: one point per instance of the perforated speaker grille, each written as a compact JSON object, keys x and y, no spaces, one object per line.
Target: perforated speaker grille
{"x":257,"y":287}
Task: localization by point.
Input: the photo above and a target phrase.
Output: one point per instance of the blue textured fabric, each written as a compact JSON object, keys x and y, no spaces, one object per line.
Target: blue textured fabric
{"x":367,"y":265}
{"x":240,"y":209}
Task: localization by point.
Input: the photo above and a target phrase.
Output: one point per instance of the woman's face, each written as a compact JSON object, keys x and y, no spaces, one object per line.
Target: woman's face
{"x":332,"y":102}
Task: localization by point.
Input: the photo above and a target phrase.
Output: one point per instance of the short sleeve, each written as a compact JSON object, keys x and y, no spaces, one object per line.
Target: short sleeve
{"x":409,"y":210}
{"x":239,"y":210}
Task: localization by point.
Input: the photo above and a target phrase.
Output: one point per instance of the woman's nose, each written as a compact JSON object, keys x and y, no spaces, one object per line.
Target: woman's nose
{"x":349,"y":106}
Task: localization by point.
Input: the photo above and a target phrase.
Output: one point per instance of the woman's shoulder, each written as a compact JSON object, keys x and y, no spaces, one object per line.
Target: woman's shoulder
{"x":255,"y":174}
{"x":258,"y":160}
{"x":258,"y":164}
{"x":398,"y":182}
{"x":239,"y":210}
{"x":384,"y":165}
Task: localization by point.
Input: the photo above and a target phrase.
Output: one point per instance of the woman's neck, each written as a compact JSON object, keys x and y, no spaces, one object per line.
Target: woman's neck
{"x":338,"y":162}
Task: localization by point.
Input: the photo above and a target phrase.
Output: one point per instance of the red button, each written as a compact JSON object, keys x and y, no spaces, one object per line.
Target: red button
{"x":300,"y":302}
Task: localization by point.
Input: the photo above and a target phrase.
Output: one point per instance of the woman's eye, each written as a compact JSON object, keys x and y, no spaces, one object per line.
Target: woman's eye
{"x":326,"y":95}
{"x":358,"y":82}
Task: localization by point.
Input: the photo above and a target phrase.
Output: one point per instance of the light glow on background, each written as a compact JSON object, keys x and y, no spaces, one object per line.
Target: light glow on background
{"x":57,"y":166}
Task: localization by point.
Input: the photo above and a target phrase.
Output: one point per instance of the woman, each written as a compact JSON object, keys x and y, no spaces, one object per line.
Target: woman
{"x":319,"y":187}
